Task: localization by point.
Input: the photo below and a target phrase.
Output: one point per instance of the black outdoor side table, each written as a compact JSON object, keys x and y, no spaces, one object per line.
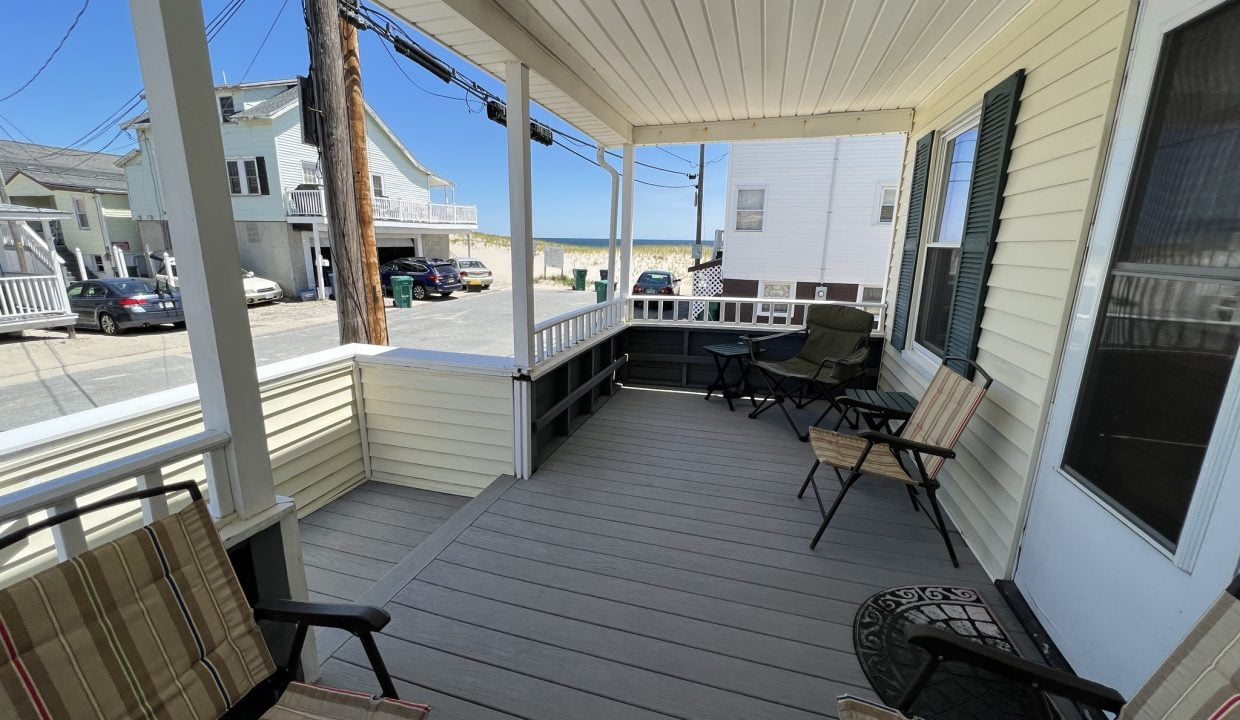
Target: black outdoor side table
{"x":878,"y":408}
{"x":724,"y":355}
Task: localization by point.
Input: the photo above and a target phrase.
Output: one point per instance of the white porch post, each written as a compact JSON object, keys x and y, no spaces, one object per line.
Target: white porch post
{"x":520,"y":217}
{"x":176,"y":71}
{"x":626,"y":222}
{"x":81,"y":266}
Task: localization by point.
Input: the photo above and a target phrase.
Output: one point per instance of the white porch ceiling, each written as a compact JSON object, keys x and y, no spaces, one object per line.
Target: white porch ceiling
{"x":665,"y":70}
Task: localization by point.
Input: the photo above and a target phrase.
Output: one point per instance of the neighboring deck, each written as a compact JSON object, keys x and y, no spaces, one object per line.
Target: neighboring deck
{"x":657,"y":565}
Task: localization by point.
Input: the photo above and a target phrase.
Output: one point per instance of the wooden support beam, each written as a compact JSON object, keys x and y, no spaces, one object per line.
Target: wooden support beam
{"x":189,"y":156}
{"x":520,"y":213}
{"x":371,"y":291}
{"x":873,"y":122}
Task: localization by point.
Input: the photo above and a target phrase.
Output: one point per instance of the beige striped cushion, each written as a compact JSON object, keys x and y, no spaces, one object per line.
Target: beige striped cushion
{"x":942,"y":413}
{"x":1201,"y":677}
{"x":841,"y":451}
{"x":153,"y":624}
{"x":307,"y":702}
{"x":851,"y":708}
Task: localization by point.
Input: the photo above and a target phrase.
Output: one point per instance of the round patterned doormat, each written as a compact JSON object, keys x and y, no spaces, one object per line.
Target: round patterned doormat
{"x":957,"y":691}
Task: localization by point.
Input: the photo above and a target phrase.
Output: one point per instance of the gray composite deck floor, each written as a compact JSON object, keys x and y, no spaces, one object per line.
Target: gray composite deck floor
{"x":657,"y":565}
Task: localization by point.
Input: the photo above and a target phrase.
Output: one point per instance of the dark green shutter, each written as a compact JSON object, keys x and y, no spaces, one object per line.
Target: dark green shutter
{"x":261,"y":164}
{"x":994,"y":147}
{"x":912,"y":239}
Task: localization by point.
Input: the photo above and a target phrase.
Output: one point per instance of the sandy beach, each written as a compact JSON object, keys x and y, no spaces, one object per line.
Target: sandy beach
{"x":494,"y":251}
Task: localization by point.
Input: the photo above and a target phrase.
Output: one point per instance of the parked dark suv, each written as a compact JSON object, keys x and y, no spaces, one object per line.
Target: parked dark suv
{"x":429,"y":276}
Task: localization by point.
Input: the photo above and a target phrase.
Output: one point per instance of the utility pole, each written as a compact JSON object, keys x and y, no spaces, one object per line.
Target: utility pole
{"x":701,"y":180}
{"x":376,"y":316}
{"x":349,"y":278}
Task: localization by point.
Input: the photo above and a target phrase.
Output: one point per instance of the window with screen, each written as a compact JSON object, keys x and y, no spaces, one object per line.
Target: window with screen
{"x":1166,"y":332}
{"x":938,"y":280}
{"x":79,"y":212}
{"x":885,"y":213}
{"x":243,"y":176}
{"x":750,"y":209}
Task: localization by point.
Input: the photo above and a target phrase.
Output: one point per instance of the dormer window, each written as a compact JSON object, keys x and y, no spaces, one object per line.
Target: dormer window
{"x":227,"y":109}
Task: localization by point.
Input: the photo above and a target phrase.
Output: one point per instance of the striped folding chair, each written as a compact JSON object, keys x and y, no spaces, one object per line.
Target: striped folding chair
{"x":155,"y":624}
{"x":1199,"y":680}
{"x":926,"y":442}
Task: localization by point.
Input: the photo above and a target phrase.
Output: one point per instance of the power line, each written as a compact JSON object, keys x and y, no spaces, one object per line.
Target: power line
{"x":594,"y":162}
{"x":669,"y":152}
{"x":613,"y":153}
{"x":413,"y":82}
{"x":263,"y":44}
{"x":55,"y":51}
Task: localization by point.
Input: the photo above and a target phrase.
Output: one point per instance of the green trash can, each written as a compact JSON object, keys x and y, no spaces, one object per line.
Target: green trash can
{"x":600,"y":290}
{"x":579,"y":278}
{"x":402,"y":291}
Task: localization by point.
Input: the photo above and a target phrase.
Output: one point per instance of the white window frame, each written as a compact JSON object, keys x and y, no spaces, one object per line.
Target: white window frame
{"x":925,"y":358}
{"x":376,"y":188}
{"x":772,"y":309}
{"x":861,"y":293}
{"x":243,"y":176}
{"x":219,"y":107}
{"x":80,"y":214}
{"x":312,"y":170}
{"x":881,"y":191}
{"x":736,"y":199}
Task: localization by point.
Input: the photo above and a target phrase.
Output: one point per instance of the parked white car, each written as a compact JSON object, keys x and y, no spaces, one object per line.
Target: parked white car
{"x":259,"y":290}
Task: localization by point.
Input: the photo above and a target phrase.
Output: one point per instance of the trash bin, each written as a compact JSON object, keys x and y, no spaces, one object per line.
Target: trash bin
{"x":579,"y":278}
{"x":402,"y":291}
{"x":600,"y":290}
{"x":602,"y":273}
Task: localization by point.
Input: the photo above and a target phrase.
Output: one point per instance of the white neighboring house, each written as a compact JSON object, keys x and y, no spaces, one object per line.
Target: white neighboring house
{"x":277,"y":197}
{"x":811,"y":218}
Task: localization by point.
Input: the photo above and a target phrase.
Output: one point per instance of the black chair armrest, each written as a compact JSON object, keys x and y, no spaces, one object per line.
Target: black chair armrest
{"x":883,"y":438}
{"x":353,"y":618}
{"x":360,"y":620}
{"x":946,"y":646}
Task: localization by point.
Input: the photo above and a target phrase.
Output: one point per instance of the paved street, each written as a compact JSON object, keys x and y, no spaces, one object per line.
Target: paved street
{"x":46,"y":375}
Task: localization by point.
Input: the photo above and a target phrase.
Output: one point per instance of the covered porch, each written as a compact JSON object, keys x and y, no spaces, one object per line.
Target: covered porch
{"x":32,"y":276}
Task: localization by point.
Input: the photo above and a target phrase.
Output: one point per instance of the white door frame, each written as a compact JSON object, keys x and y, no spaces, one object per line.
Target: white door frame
{"x":1087,"y":570}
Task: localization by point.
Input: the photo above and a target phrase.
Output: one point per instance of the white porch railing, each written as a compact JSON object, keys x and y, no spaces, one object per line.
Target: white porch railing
{"x":25,"y":296}
{"x":309,"y":203}
{"x":560,"y":334}
{"x":734,"y":312}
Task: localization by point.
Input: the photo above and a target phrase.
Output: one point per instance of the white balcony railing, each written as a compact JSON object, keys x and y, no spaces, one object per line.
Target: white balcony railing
{"x":26,"y":296}
{"x":309,"y":203}
{"x":733,"y":312}
{"x":562,"y":333}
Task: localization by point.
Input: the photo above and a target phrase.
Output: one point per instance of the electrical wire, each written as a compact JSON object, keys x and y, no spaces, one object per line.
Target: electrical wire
{"x":55,"y":51}
{"x":613,"y":153}
{"x":594,"y":162}
{"x":413,"y":82}
{"x":669,"y":152}
{"x":263,"y":43}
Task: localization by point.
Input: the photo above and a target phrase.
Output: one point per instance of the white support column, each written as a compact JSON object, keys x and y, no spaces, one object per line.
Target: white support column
{"x":176,"y":73}
{"x":520,"y":212}
{"x":320,"y":284}
{"x":81,"y":266}
{"x":626,"y":222}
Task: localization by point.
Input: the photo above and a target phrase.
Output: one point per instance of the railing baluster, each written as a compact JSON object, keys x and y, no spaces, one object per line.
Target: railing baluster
{"x":153,"y":508}
{"x":69,"y":536}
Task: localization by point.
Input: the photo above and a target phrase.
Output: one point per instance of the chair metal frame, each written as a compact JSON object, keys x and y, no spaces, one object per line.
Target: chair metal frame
{"x":360,"y":620}
{"x":896,"y":445}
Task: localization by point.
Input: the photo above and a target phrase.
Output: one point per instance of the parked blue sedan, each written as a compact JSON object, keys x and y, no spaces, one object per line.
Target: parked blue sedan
{"x":429,"y":276}
{"x":114,"y":305}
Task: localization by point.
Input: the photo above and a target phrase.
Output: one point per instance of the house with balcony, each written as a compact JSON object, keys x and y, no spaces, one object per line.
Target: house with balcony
{"x":811,"y":218}
{"x":571,"y":532}
{"x":275,"y":182}
{"x":91,"y":190}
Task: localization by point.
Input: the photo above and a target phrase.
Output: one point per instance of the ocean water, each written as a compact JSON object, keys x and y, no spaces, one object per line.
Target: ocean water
{"x":602,"y":242}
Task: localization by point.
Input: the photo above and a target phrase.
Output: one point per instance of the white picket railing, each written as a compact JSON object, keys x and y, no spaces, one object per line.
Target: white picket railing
{"x":560,"y":334}
{"x":309,"y":203}
{"x":24,"y":296}
{"x":734,"y":312}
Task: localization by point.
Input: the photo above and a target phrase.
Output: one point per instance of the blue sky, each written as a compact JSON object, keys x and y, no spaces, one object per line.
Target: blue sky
{"x":98,"y":69}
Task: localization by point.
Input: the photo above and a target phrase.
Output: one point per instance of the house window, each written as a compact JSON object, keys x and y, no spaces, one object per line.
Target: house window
{"x":311,"y":173}
{"x":227,"y":109}
{"x":938,"y":280}
{"x":1165,"y":341}
{"x":871,"y":294}
{"x":885,"y":213}
{"x":750,"y":209}
{"x":243,"y":176}
{"x":97,"y":261}
{"x":775,"y":291}
{"x":79,"y":211}
{"x":376,"y":185}
{"x":55,"y":233}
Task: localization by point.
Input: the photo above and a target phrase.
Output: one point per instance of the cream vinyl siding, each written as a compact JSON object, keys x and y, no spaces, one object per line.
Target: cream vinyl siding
{"x":312,"y":434}
{"x":1071,"y":51}
{"x":449,"y":432}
